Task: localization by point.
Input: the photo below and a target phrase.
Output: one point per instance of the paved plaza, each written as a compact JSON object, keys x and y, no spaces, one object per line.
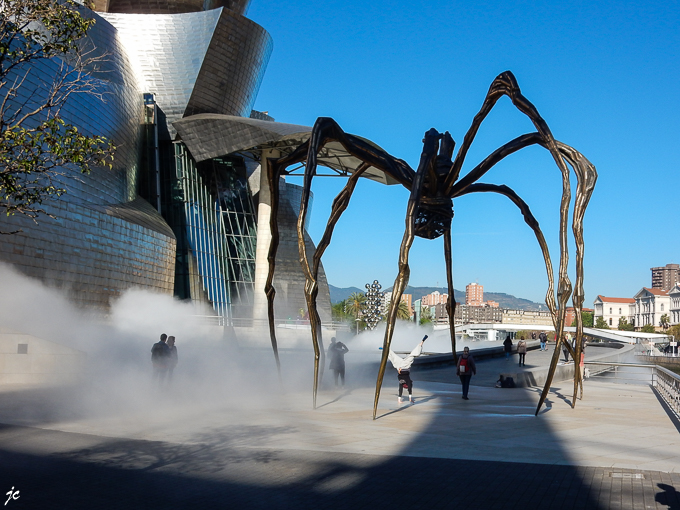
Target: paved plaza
{"x":619,"y":448}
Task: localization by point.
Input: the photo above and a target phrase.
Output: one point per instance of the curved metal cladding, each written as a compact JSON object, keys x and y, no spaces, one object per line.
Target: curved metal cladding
{"x":166,"y":52}
{"x":169,"y":6}
{"x":232,"y":69}
{"x":289,"y":280}
{"x":104,"y":239}
{"x":211,"y":61}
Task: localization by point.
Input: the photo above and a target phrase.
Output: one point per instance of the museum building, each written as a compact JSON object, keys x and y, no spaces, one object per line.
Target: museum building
{"x":185,"y":208}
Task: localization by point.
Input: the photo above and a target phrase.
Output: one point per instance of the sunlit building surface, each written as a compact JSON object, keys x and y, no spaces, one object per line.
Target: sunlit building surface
{"x":164,"y":218}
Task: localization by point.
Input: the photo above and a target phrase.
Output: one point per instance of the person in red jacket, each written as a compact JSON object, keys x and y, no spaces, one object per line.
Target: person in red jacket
{"x":465,"y":368}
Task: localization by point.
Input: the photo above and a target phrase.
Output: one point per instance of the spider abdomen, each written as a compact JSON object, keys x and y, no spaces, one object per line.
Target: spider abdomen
{"x":433,"y":217}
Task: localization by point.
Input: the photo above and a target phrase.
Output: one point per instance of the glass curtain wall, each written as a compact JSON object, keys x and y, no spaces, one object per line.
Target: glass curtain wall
{"x":213,"y":212}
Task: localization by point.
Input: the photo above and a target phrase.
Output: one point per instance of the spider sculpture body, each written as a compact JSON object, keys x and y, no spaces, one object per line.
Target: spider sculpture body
{"x":433,"y":186}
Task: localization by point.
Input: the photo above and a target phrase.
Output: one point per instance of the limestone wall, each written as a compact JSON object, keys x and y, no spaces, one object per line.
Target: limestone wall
{"x":25,"y":359}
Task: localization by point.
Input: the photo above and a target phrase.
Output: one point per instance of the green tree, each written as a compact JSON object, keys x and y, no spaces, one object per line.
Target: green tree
{"x":403,"y":312}
{"x":354,"y":303}
{"x":675,"y":331}
{"x":36,"y":145}
{"x":624,"y":325}
{"x":648,"y":328}
{"x":425,"y":316}
{"x":338,"y":311}
{"x":587,"y":318}
{"x":600,"y":323}
{"x":665,"y":321}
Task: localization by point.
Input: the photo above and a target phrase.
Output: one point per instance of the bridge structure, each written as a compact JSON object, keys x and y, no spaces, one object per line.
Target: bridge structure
{"x":495,"y":331}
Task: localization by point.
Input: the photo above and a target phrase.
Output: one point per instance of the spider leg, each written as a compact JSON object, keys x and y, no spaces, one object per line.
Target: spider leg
{"x":326,"y":130}
{"x":427,"y":160}
{"x":586,"y":178}
{"x":506,"y":84}
{"x":311,"y":274}
{"x":451,"y":301}
{"x":273,"y":174}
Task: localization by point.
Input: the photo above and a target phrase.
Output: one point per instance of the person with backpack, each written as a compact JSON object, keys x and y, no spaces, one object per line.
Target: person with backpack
{"x":522,"y":351}
{"x":465,"y":368}
{"x":544,"y":340}
{"x":160,"y":358}
{"x":403,"y":366}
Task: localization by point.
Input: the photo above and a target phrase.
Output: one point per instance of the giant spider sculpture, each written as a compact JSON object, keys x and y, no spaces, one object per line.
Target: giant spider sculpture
{"x":429,"y":211}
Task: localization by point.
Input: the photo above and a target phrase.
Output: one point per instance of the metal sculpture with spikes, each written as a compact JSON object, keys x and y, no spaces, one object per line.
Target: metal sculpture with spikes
{"x":429,"y":211}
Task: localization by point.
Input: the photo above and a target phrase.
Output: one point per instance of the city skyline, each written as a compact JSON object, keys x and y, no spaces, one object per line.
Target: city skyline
{"x":602,"y":82}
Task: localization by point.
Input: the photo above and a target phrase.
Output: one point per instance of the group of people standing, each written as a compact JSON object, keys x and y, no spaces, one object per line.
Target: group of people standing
{"x":164,"y":358}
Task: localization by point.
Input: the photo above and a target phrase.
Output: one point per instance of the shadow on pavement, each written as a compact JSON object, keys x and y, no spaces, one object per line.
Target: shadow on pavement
{"x":453,"y":462}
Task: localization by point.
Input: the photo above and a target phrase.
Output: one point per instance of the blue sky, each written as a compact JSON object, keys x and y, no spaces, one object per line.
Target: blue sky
{"x":603,"y":75}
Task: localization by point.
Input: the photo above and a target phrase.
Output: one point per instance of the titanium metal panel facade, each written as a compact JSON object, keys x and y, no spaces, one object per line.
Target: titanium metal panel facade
{"x":233,"y":68}
{"x":166,"y":52}
{"x":169,"y":6}
{"x":194,"y":56}
{"x":209,"y":61}
{"x":104,"y":239}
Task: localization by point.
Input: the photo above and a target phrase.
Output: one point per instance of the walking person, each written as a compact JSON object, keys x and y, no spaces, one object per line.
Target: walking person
{"x":336,"y":353}
{"x":507,"y":344}
{"x":465,"y":368}
{"x":172,"y":359}
{"x":543,"y":338}
{"x":522,"y":351}
{"x":403,"y":366}
{"x":565,"y":350}
{"x":160,"y":354}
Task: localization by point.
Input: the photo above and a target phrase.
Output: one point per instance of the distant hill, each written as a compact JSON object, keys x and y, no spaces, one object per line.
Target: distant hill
{"x":504,"y":300}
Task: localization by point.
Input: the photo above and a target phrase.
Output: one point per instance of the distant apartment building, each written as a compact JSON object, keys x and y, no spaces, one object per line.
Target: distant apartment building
{"x":650,"y":305}
{"x":474,"y":294}
{"x":611,"y":309}
{"x":406,"y":298}
{"x":674,"y":294}
{"x":477,"y":314}
{"x":534,"y":317}
{"x":665,"y":278}
{"x":433,"y":299}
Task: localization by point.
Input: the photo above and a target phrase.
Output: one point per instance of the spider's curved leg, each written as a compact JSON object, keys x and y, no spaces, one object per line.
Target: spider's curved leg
{"x":450,"y":301}
{"x":427,"y":160}
{"x":586,"y":178}
{"x":312,"y":274}
{"x":326,"y":130}
{"x":506,"y":84}
{"x":273,"y":173}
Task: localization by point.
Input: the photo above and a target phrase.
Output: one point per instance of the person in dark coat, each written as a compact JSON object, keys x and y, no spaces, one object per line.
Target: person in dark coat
{"x":464,"y":369}
{"x":507,"y":344}
{"x":336,"y":353}
{"x":172,"y":360}
{"x":160,"y":358}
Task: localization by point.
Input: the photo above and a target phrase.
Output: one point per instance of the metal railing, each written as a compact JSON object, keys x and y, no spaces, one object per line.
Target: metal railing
{"x":666,"y":382}
{"x":668,"y":386}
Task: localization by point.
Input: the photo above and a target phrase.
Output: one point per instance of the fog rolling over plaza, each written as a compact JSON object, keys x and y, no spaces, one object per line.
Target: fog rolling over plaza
{"x":216,"y":368}
{"x":116,"y":377}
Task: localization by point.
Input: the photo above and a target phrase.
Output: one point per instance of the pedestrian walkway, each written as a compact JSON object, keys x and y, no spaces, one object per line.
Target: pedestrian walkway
{"x":618,"y":448}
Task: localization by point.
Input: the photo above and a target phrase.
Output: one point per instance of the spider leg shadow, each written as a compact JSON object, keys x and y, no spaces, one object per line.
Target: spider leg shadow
{"x":343,"y":394}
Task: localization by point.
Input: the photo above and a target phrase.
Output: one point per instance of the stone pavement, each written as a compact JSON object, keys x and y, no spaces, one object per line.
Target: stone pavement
{"x":619,"y":448}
